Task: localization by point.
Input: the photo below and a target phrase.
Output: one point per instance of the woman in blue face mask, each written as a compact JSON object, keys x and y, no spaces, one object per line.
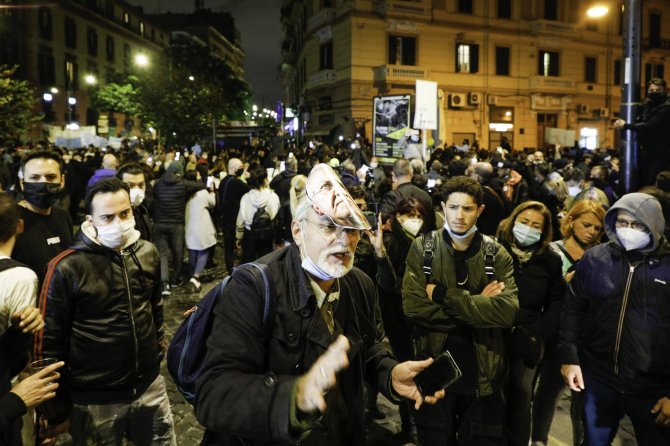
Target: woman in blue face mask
{"x":526,"y":234}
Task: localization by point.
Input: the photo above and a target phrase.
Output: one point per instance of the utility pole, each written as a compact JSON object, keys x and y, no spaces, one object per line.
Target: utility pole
{"x":630,"y":93}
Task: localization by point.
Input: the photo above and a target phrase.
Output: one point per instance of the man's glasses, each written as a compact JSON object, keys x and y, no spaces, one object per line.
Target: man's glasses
{"x":621,"y":223}
{"x":333,"y":230}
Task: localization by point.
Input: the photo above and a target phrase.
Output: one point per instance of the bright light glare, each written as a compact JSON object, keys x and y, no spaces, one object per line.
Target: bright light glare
{"x":72,"y":126}
{"x":47,"y":97}
{"x":72,"y":101}
{"x":54,"y":90}
{"x":597,"y":11}
{"x":90,"y":79}
{"x":191,"y":78}
{"x":141,"y":60}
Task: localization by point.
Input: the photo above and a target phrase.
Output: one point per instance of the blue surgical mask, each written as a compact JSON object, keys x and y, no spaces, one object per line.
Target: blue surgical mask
{"x":460,"y":237}
{"x":311,"y":267}
{"x":525,"y":235}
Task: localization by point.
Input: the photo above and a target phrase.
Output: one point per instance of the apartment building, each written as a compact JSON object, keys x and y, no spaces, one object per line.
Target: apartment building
{"x":503,"y":67}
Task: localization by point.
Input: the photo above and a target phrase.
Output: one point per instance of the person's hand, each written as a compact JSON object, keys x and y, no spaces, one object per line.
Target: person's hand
{"x":662,"y":408}
{"x":377,"y":238}
{"x":618,"y":123}
{"x":493,"y":288}
{"x":429,"y":290}
{"x":402,"y":380}
{"x":48,"y":432}
{"x":238,"y":244}
{"x":313,"y":385}
{"x":29,"y":320}
{"x":38,"y":387}
{"x":572,"y":374}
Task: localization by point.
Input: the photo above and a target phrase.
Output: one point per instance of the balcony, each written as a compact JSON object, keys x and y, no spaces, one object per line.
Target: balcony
{"x":655,"y":44}
{"x":405,"y":9}
{"x":400,"y":73}
{"x":324,"y":17}
{"x":552,"y":84}
{"x":323,"y":77}
{"x":553,"y":28}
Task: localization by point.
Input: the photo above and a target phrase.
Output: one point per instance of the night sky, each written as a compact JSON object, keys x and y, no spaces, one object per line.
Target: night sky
{"x":261,"y":34}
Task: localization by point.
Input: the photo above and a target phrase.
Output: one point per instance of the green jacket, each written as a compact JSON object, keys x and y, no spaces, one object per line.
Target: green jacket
{"x":488,"y":316}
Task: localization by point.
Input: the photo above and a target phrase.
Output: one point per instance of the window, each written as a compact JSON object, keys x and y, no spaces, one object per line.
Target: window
{"x":590,"y":64}
{"x":502,"y":61}
{"x":126,"y":54}
{"x":653,"y":70}
{"x":327,"y":3}
{"x":45,"y":23}
{"x":71,"y":74}
{"x":402,"y":50}
{"x":654,"y":30}
{"x":70,"y":33}
{"x":465,"y":6}
{"x":109,"y":8}
{"x":504,"y":9}
{"x":46,"y":67}
{"x":141,"y":28}
{"x":551,"y":9}
{"x":126,"y":18}
{"x":92,"y":41}
{"x":110,"y":49}
{"x":326,"y":56}
{"x":153,"y":34}
{"x":548,"y":63}
{"x":467,"y":58}
{"x":617,"y":72}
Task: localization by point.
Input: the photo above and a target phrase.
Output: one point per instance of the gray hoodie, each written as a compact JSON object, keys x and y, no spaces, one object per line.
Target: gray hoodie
{"x":646,"y":209}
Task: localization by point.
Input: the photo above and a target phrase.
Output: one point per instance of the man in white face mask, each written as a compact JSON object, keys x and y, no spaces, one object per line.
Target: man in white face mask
{"x":306,"y":384}
{"x":615,"y":335}
{"x":104,"y":317}
{"x":133,"y":175}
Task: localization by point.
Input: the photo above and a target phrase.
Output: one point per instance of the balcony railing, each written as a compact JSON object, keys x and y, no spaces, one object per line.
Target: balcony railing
{"x":653,"y":44}
{"x":322,"y":77}
{"x":405,"y":8}
{"x":552,"y":28}
{"x":552,"y":84}
{"x":400,"y":73}
{"x":324,"y":17}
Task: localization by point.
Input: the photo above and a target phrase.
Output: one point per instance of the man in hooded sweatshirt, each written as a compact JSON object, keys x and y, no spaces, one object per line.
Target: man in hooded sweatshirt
{"x":104,"y":318}
{"x":615,"y":327}
{"x":171,"y":193}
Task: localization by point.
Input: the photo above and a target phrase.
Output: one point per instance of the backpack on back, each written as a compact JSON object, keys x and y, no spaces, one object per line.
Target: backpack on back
{"x":9,"y":264}
{"x":262,"y":226}
{"x":187,"y":351}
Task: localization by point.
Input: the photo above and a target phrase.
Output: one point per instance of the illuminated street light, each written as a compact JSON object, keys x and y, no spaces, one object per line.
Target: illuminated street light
{"x":191,"y":78}
{"x":597,"y":11}
{"x":141,"y":60}
{"x":90,"y":79}
{"x":72,"y":101}
{"x":54,"y":90}
{"x":254,"y":107}
{"x":48,"y":97}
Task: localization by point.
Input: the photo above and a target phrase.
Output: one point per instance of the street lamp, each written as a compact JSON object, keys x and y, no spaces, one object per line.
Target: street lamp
{"x":90,"y":79}
{"x":141,"y":60}
{"x":597,"y":11}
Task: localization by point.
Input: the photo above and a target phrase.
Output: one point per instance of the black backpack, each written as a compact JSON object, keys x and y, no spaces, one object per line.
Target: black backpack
{"x":262,"y":226}
{"x":9,"y":264}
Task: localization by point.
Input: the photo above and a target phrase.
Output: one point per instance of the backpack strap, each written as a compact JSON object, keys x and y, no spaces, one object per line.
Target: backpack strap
{"x":428,"y":251}
{"x":6,"y":264}
{"x":490,"y":249}
{"x":269,"y":295}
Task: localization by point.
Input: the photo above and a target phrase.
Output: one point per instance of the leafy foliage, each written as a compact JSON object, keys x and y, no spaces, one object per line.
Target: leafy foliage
{"x":117,"y":97}
{"x":17,"y":100}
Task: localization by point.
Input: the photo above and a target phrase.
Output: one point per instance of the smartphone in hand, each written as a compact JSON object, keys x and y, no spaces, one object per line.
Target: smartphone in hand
{"x":439,"y":375}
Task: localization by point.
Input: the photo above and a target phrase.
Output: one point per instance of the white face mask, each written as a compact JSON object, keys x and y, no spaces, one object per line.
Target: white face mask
{"x":136,"y":196}
{"x":525,"y":235}
{"x":412,"y":225}
{"x":117,"y":235}
{"x":373,"y":165}
{"x":573,"y":191}
{"x":460,"y":237}
{"x":313,"y":268}
{"x":632,"y":239}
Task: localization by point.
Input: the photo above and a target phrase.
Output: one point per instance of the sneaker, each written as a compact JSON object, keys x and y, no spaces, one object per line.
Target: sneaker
{"x":166,"y":289}
{"x":196,"y":284}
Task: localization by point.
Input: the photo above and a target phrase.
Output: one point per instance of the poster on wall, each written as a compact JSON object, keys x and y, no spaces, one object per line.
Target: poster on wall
{"x":389,"y":123}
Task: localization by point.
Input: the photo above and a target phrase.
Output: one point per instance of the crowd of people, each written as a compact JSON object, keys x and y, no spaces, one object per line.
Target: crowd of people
{"x":526,"y":265}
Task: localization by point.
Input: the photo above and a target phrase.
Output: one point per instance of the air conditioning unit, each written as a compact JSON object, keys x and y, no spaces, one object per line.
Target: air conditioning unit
{"x":457,"y":100}
{"x":474,"y":98}
{"x":492,"y":100}
{"x":583,"y":108}
{"x":604,"y":112}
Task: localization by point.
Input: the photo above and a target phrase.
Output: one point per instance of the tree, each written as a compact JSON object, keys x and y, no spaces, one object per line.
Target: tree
{"x":17,"y":100}
{"x":119,"y":97}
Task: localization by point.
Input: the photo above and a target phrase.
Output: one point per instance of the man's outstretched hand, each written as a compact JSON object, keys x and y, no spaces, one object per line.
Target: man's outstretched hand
{"x":402,"y":380}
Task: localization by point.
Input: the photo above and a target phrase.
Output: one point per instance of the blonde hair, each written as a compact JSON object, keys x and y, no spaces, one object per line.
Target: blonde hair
{"x":296,"y":192}
{"x":578,"y":209}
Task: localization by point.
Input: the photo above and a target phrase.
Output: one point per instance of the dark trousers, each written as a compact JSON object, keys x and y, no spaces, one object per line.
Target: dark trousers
{"x":253,"y":248}
{"x":549,"y":386}
{"x":229,"y":247}
{"x":519,"y":397}
{"x":170,"y":243}
{"x":604,"y":407}
{"x":462,"y":420}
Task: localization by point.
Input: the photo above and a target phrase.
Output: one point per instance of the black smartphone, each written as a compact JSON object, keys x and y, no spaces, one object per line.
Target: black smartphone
{"x":439,"y":375}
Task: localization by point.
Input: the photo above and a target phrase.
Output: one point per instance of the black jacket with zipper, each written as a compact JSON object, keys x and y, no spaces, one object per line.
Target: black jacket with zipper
{"x":104,"y":318}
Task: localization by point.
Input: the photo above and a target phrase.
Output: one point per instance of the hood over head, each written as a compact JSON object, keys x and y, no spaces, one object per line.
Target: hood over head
{"x":646,"y":209}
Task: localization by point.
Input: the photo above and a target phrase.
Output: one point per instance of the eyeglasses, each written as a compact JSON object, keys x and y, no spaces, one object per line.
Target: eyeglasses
{"x":333,"y":230}
{"x":620,"y":223}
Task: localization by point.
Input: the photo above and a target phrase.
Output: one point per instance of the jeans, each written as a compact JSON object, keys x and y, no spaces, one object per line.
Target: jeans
{"x":170,"y":243}
{"x":549,"y":386}
{"x":229,"y":248}
{"x":147,"y":420}
{"x":519,"y":397}
{"x":197,"y":261}
{"x":604,"y":407}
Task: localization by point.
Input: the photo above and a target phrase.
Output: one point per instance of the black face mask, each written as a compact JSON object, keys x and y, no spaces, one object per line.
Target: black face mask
{"x":239,"y":172}
{"x":41,"y":195}
{"x":655,"y":96}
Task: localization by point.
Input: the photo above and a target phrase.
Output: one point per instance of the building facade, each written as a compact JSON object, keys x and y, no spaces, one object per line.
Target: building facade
{"x":508,"y":68}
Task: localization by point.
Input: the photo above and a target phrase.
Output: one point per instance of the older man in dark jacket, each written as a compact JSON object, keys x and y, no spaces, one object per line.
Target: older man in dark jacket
{"x":171,"y":193}
{"x":615,"y":326}
{"x":303,"y":382}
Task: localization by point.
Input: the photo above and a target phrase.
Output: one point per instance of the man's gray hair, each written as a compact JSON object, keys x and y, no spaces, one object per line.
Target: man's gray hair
{"x":304,"y":205}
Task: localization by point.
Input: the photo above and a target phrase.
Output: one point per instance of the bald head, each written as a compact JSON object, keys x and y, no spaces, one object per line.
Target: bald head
{"x":234,"y":164}
{"x":109,"y":161}
{"x":482,"y":171}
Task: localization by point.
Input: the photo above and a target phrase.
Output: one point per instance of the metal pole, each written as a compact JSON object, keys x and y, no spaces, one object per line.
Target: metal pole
{"x":630,"y":93}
